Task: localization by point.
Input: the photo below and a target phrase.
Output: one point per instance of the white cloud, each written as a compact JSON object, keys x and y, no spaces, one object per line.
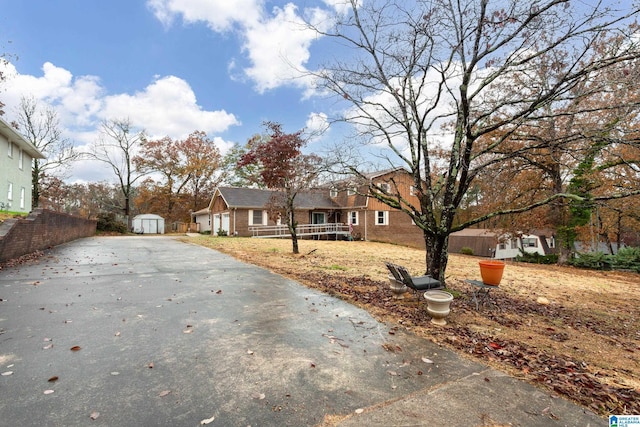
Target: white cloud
{"x":316,"y":126}
{"x":166,"y":107}
{"x":277,"y":44}
{"x":220,"y":15}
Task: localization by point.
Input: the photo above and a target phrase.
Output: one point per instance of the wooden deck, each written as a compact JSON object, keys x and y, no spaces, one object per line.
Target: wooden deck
{"x":303,"y":230}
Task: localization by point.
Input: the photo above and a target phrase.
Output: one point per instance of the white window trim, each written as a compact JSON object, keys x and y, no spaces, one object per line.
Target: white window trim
{"x":351,"y":215}
{"x":351,"y":191}
{"x":21,"y":159}
{"x":385,"y":218}
{"x":333,"y":193}
{"x":10,"y":150}
{"x":10,"y":191}
{"x":23,"y":192}
{"x":264,"y":216}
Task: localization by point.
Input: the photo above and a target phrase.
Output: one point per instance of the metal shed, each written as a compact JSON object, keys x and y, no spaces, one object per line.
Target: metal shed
{"x":148,"y":224}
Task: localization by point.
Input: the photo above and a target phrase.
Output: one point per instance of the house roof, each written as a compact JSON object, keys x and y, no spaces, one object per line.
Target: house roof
{"x":15,"y":137}
{"x":247,"y":198}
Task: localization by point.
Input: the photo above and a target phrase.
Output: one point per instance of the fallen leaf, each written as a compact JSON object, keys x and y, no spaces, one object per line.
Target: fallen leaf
{"x":259,"y":396}
{"x":94,"y":415}
{"x":115,"y":373}
{"x":75,"y":348}
{"x":207,"y":421}
{"x":47,"y":347}
{"x":425,"y":360}
{"x":249,"y":352}
{"x":392,"y":373}
{"x":359,"y":411}
{"x":164,"y":393}
{"x":48,"y":391}
{"x":150,"y":365}
{"x":219,"y":291}
{"x":53,"y":379}
{"x":117,"y":334}
{"x":7,"y":373}
{"x":47,"y":339}
{"x":187,"y":331}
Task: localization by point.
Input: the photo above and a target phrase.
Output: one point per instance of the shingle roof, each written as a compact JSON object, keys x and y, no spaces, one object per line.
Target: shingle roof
{"x":248,"y":198}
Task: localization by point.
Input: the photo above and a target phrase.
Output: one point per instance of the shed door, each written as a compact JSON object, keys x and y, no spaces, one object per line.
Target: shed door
{"x":150,"y":226}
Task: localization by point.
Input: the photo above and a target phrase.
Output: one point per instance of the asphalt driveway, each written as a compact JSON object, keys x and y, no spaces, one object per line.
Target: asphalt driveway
{"x":151,"y":331}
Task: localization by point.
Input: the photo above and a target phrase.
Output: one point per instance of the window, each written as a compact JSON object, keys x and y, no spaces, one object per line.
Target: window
{"x":10,"y":191}
{"x":502,"y":246}
{"x":353,"y":217}
{"x":318,"y":218}
{"x":22,"y":193}
{"x":351,"y":191}
{"x":333,"y":193}
{"x":20,"y":159}
{"x":382,"y":217}
{"x":529,"y":242}
{"x":10,"y":151}
{"x":384,"y":186}
{"x":257,"y":217}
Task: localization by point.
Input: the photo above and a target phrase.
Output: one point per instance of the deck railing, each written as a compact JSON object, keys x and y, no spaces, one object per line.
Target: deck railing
{"x":266,"y":231}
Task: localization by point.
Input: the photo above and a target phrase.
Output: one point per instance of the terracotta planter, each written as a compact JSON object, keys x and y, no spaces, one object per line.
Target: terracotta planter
{"x":438,"y":303}
{"x":491,"y":271}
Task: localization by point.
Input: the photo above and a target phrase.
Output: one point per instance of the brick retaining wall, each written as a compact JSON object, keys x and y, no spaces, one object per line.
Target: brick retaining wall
{"x":42,"y":229}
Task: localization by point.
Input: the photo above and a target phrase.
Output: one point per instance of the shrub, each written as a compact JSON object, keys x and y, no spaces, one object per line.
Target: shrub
{"x":627,"y":259}
{"x":222,"y":232}
{"x":466,"y":250}
{"x":593,"y":260}
{"x":108,"y":222}
{"x":536,"y":258}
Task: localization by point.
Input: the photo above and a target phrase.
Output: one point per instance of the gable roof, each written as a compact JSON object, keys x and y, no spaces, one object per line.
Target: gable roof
{"x":249,"y":198}
{"x":15,"y":137}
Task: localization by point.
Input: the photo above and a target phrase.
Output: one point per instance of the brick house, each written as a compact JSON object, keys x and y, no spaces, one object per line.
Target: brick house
{"x":345,"y":205}
{"x":16,"y":155}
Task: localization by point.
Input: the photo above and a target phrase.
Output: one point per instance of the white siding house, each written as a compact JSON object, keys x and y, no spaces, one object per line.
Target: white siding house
{"x":203,"y":219}
{"x":16,"y":156}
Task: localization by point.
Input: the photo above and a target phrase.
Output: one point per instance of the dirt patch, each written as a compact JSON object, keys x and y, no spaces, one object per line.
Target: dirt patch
{"x":583,"y":341}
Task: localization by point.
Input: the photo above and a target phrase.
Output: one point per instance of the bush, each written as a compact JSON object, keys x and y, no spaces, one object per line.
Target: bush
{"x":593,"y":260}
{"x":627,"y":259}
{"x":108,"y":222}
{"x":536,"y":258}
{"x":222,"y":232}
{"x":466,"y":250}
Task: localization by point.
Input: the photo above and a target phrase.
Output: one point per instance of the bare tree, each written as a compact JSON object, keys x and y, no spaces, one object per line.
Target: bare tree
{"x":41,"y":127}
{"x":434,"y":81}
{"x":117,"y":146}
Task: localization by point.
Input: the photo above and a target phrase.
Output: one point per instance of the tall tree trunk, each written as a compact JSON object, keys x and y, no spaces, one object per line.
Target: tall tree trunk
{"x":35,"y":184}
{"x":437,"y":255}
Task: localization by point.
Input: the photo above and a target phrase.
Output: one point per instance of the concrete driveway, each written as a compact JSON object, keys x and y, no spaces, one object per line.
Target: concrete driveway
{"x":151,"y":331}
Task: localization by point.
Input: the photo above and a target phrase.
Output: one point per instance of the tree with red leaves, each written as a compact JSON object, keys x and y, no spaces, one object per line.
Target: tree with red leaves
{"x":281,"y":166}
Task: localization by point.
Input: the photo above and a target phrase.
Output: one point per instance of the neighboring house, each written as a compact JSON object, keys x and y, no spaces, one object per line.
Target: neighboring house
{"x":16,"y":155}
{"x":148,"y":224}
{"x":500,"y":245}
{"x":343,"y":205}
{"x":203,"y":219}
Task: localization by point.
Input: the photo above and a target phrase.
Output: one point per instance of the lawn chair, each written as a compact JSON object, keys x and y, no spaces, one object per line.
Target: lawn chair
{"x":418,"y":283}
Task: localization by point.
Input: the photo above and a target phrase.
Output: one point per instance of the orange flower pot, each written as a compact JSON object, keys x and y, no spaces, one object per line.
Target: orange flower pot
{"x":491,"y":271}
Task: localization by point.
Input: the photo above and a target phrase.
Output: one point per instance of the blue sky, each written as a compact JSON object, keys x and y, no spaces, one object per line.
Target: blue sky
{"x":171,"y":66}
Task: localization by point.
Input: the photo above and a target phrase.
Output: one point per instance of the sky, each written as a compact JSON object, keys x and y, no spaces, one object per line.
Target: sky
{"x":170,"y":66}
